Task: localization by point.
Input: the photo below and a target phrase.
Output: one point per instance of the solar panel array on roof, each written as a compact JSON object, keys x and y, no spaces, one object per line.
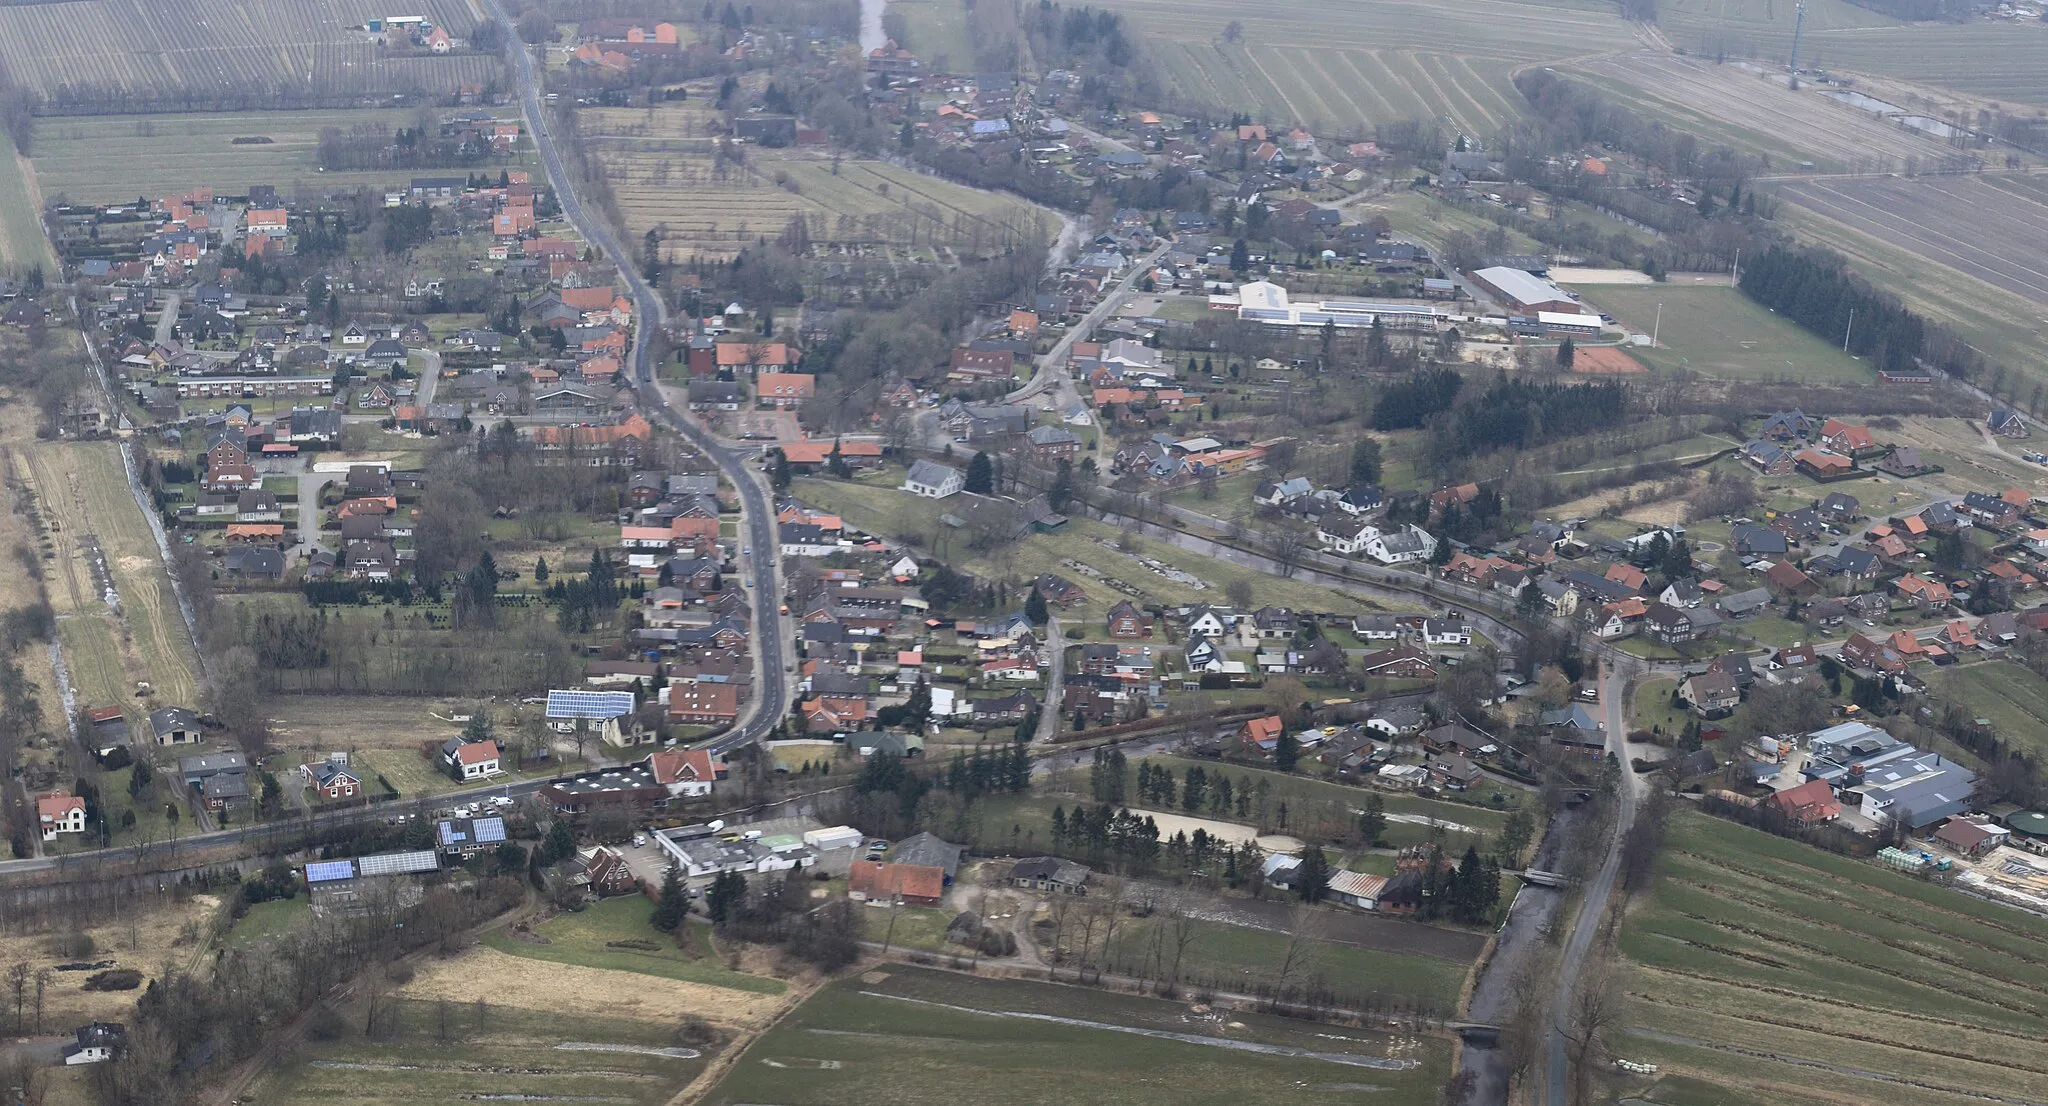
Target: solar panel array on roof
{"x":327,"y":871}
{"x":393,"y":864}
{"x":589,"y":704}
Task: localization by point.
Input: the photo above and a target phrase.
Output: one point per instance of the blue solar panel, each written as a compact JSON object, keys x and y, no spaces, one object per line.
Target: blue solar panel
{"x":589,"y":704}
{"x":327,"y":871}
{"x":488,"y":830}
{"x":390,"y":864}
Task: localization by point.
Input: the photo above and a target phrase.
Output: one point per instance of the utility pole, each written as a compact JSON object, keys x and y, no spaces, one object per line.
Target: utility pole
{"x":1737,"y":271}
{"x":1798,"y":25}
{"x":1657,"y":326}
{"x":1847,"y":330}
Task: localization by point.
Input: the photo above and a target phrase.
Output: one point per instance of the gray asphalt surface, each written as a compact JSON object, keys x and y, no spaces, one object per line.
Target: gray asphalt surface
{"x":758,"y":527}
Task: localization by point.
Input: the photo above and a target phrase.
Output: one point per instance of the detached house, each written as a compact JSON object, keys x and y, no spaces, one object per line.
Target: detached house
{"x":1127,"y":620}
{"x":470,"y":760}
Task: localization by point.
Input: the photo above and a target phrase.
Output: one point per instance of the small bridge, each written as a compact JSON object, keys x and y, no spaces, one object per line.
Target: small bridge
{"x":1536,"y":878}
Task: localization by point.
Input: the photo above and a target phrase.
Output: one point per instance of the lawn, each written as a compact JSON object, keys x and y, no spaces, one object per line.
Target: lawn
{"x":501,"y":1053}
{"x":916,"y":927}
{"x":1653,"y":710}
{"x":2010,"y":695}
{"x":1305,"y":794}
{"x":591,"y":938}
{"x":1753,"y":942}
{"x":111,"y":158}
{"x":1718,"y":331}
{"x":268,"y":919}
{"x":918,"y":1038}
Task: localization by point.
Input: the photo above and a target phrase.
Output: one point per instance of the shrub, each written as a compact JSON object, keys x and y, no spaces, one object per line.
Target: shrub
{"x":71,"y":946}
{"x":116,"y":979}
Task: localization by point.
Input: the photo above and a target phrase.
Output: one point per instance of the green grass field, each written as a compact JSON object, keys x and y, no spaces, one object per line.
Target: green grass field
{"x":1719,"y":332}
{"x":1227,"y":952}
{"x":1653,"y":710}
{"x":1320,"y":800}
{"x":587,"y":938}
{"x":1755,"y":943}
{"x":268,"y":919}
{"x":457,"y":1054}
{"x":2013,"y":698}
{"x":915,"y":1038}
{"x":109,"y":158}
{"x":22,"y":242}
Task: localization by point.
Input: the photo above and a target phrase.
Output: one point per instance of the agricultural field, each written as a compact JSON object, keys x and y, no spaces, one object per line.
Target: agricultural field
{"x":1776,"y":972}
{"x":463,"y":1051}
{"x":100,"y":540}
{"x":905,"y":1037}
{"x":1719,"y":332}
{"x":1991,"y":228}
{"x":666,"y":176}
{"x":1738,"y":105}
{"x":1995,"y":60}
{"x":1349,"y":65}
{"x":109,"y":158}
{"x":134,"y":53}
{"x":2006,"y":327}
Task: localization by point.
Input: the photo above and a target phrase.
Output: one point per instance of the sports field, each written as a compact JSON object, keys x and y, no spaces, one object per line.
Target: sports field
{"x":665,"y":173}
{"x":906,"y":1037}
{"x":1351,"y":64}
{"x":1717,"y":331}
{"x":1780,"y":973}
{"x":108,"y":158}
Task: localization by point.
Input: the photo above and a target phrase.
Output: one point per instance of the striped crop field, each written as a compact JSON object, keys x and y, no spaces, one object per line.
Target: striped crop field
{"x":109,"y":54}
{"x":1779,"y":973}
{"x":666,"y":176}
{"x":1351,"y":64}
{"x":2004,"y":61}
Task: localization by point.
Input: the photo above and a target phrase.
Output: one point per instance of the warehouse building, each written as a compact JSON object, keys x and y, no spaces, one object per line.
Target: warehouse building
{"x":1523,"y":293}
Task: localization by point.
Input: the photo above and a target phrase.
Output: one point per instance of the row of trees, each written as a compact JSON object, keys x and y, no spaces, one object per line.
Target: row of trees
{"x":1815,"y":289}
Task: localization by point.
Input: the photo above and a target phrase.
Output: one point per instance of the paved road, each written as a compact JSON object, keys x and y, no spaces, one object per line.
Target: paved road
{"x":1052,"y":367}
{"x":1614,"y":703}
{"x":758,"y":526}
{"x":1049,"y":712}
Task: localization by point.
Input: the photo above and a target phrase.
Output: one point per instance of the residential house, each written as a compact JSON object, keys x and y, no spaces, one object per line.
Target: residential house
{"x":1127,"y":620}
{"x":1670,"y":625}
{"x":1711,"y":694}
{"x":471,"y":760}
{"x":1048,"y":873}
{"x":1923,"y":594}
{"x":1807,"y":803}
{"x":59,"y":812}
{"x":1406,"y":662}
{"x":332,"y":778}
{"x":932,"y":480}
{"x":1454,"y":773}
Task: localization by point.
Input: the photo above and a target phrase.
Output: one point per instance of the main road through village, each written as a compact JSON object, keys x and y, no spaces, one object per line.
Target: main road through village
{"x":761,"y":559}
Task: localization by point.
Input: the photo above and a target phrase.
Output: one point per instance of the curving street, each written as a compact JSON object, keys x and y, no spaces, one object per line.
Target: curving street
{"x":757,"y":527}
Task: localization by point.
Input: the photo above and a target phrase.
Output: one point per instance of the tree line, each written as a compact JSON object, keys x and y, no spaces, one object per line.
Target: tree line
{"x":1816,"y":290}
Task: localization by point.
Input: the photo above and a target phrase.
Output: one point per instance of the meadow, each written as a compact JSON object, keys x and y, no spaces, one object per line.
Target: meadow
{"x":665,"y":174}
{"x":82,"y":491}
{"x":1349,"y":65}
{"x":906,"y":1037}
{"x":2013,"y":698}
{"x":112,"y":158}
{"x":1719,"y":332}
{"x":1765,"y":968}
{"x":448,"y":1052}
{"x":592,"y":938}
{"x":23,"y":245}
